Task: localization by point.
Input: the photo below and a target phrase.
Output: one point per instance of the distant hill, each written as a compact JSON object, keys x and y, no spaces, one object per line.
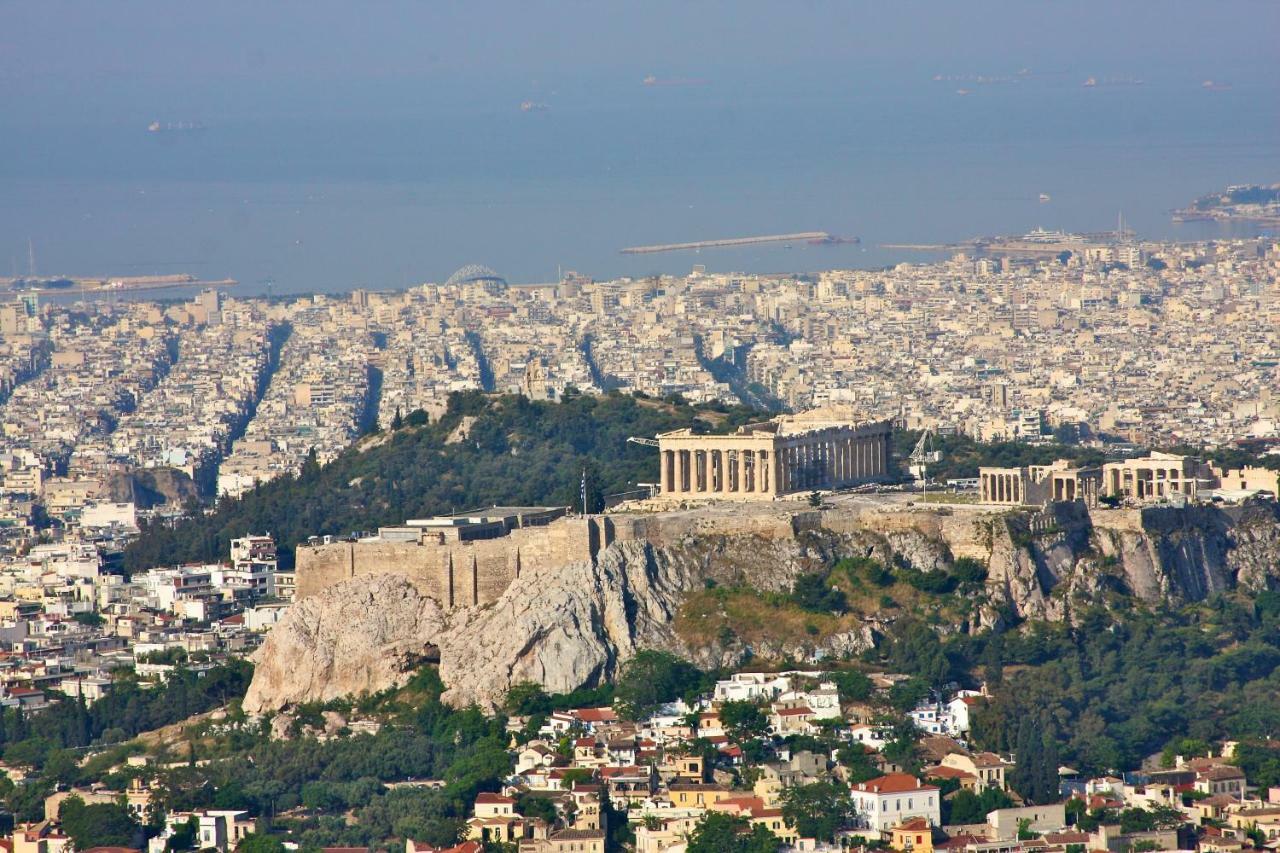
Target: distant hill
{"x":515,"y":452}
{"x":151,"y":487}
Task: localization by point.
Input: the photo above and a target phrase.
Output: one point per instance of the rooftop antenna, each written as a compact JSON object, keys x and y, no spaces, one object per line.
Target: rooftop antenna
{"x":31,"y":257}
{"x":584,"y":492}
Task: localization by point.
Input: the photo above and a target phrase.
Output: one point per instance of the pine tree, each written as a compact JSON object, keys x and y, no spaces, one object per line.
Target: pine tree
{"x":993,"y":661}
{"x":311,"y":466}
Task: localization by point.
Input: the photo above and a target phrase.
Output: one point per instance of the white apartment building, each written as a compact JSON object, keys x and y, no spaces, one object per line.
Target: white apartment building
{"x":887,"y":801}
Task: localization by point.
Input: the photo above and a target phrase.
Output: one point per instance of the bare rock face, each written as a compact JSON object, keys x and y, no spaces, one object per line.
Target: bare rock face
{"x":362,"y":636}
{"x":564,"y":629}
{"x":575,"y":626}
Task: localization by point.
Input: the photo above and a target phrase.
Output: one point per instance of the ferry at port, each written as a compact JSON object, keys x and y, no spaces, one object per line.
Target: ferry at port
{"x":174,"y":126}
{"x":1040,"y":235}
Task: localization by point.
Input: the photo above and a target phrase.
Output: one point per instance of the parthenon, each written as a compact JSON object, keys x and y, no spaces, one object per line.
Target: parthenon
{"x":816,"y":450}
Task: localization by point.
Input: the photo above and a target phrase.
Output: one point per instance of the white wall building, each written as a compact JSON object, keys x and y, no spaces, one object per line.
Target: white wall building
{"x":887,"y":801}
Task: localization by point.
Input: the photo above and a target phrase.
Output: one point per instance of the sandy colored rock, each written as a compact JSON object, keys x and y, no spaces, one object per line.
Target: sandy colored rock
{"x":575,"y":625}
{"x":357,"y":638}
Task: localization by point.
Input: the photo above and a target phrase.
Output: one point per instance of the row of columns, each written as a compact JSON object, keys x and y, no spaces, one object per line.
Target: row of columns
{"x":717,"y":471}
{"x":1002,"y":488}
{"x":820,"y":463}
{"x":799,"y":464}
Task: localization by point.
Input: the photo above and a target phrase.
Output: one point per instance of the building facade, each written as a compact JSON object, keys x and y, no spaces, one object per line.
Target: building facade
{"x":762,"y":461}
{"x":1155,"y":478}
{"x":1036,"y":485}
{"x":1158,"y":477}
{"x":889,"y":801}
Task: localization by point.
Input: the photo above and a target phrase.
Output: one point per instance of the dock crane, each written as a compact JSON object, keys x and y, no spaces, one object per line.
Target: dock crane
{"x":921,"y":456}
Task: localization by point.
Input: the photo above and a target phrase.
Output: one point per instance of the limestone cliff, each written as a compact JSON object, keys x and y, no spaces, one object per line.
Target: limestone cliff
{"x":1040,"y":563}
{"x":575,"y":625}
{"x":361,"y":637}
{"x":564,"y":628}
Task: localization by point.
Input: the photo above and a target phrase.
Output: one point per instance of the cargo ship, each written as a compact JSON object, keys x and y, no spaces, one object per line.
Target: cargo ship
{"x":174,"y":126}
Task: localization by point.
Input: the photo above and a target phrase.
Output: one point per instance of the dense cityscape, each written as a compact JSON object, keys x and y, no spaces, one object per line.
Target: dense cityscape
{"x":717,"y":427}
{"x":120,"y":415}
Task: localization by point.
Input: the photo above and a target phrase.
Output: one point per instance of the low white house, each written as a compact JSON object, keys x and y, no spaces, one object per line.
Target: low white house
{"x":754,"y":686}
{"x":823,"y":700}
{"x":886,"y":801}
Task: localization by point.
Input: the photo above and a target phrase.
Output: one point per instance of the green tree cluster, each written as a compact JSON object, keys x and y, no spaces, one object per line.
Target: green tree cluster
{"x":652,"y":678}
{"x":342,"y":777}
{"x":815,"y":593}
{"x":964,"y":806}
{"x":818,"y":810}
{"x":720,"y":832}
{"x":516,"y":452}
{"x":98,"y":824}
{"x":1113,"y":688}
{"x":43,"y":739}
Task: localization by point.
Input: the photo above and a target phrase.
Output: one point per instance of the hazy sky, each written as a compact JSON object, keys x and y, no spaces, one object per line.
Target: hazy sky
{"x":370,"y":142}
{"x":59,"y":58}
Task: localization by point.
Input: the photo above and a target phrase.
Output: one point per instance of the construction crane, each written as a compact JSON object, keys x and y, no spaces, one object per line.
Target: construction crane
{"x":647,"y":442}
{"x":920,"y":458}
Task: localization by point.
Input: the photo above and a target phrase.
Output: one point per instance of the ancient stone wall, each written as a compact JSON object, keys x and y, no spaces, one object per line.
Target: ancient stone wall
{"x":1177,"y":553}
{"x":456,"y":574}
{"x":459,"y":574}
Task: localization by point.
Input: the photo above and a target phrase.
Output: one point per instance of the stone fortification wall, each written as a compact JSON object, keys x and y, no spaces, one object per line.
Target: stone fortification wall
{"x":456,"y":574}
{"x":1182,"y":553}
{"x":460,"y":574}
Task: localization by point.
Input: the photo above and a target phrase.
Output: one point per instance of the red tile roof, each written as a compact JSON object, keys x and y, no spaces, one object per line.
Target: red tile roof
{"x":595,"y":715}
{"x":893,"y":783}
{"x":944,"y":772}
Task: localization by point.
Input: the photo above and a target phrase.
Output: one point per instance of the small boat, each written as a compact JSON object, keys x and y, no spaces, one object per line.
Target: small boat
{"x":1044,"y":197}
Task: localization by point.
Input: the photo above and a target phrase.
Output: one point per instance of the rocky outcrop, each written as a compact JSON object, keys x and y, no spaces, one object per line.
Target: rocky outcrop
{"x":1042,"y":562}
{"x":563,"y":628}
{"x":150,"y":487}
{"x":360,"y":637}
{"x":575,"y":625}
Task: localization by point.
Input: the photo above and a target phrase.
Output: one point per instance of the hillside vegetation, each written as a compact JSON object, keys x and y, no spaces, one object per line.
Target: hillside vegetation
{"x":515,"y":452}
{"x":836,"y":600}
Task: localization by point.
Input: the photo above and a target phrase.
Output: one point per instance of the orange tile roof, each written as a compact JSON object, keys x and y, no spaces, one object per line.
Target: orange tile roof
{"x":893,"y":783}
